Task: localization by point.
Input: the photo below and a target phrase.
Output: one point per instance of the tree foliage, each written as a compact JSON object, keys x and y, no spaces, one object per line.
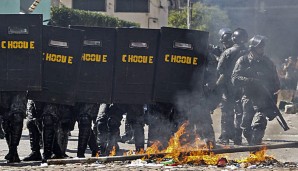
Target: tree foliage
{"x":65,"y":16}
{"x":203,"y":17}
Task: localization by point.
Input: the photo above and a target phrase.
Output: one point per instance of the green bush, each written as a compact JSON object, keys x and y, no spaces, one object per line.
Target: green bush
{"x":64,"y":17}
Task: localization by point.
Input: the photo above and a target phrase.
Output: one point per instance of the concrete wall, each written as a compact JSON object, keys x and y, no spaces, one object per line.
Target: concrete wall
{"x":156,"y":18}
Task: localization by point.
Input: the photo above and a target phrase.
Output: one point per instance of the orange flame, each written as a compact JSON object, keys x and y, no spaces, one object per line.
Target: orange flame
{"x":113,"y":151}
{"x":194,"y":152}
{"x":177,"y":151}
{"x":256,"y":157}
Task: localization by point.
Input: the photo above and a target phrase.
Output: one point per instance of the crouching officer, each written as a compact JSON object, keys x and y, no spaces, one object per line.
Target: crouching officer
{"x":109,"y":121}
{"x":13,"y":105}
{"x":256,"y":74}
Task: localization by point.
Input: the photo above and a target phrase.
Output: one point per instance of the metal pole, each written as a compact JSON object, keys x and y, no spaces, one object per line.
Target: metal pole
{"x":188,"y":14}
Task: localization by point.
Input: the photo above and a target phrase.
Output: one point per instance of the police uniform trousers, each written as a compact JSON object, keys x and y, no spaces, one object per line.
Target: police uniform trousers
{"x":86,"y":112}
{"x":13,"y":107}
{"x":254,"y":120}
{"x":109,"y":121}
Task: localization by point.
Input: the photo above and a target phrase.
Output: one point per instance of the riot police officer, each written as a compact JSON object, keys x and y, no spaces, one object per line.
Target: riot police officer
{"x":13,"y":106}
{"x":230,"y":95}
{"x":109,"y":121}
{"x":256,"y":74}
{"x":210,"y":77}
{"x":225,"y":39}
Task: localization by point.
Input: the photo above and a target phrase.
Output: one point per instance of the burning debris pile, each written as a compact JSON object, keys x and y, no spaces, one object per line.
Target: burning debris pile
{"x":182,"y":153}
{"x":198,"y":153}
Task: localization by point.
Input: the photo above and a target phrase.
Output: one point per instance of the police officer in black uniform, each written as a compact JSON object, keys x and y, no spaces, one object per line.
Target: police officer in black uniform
{"x":210,"y":77}
{"x":108,"y":125}
{"x":256,"y":74}
{"x":13,"y":108}
{"x":230,"y":95}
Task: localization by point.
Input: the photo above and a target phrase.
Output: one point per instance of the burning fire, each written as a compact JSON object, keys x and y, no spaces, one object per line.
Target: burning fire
{"x":195,"y":152}
{"x":256,"y":157}
{"x":113,"y":151}
{"x":187,"y":153}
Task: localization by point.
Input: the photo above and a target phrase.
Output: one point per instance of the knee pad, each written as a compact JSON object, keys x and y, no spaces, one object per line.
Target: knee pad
{"x":31,"y":124}
{"x":18,"y":118}
{"x":112,"y":122}
{"x":48,"y":120}
{"x":84,"y":121}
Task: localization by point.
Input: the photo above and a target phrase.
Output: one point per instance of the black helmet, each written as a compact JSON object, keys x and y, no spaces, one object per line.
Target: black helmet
{"x":239,"y":36}
{"x":257,"y":41}
{"x":225,"y":35}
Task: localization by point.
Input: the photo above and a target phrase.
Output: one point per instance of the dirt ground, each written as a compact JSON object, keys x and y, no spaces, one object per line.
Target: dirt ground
{"x":274,"y":134}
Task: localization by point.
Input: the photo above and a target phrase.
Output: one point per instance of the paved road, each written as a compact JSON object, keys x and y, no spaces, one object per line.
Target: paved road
{"x":274,"y":134}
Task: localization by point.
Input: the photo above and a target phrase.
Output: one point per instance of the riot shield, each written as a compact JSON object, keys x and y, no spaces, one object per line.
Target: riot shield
{"x":96,"y":70}
{"x":20,"y":52}
{"x":181,"y":57}
{"x":134,"y":65}
{"x":62,"y":51}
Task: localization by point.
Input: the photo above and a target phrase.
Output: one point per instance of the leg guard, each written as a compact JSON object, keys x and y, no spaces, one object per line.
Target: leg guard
{"x":139,"y":136}
{"x":92,"y":144}
{"x":102,"y":136}
{"x":1,"y":130}
{"x":258,"y":128}
{"x":113,"y":133}
{"x":57,"y":150}
{"x":16,"y":133}
{"x":34,"y":135}
{"x":48,"y":135}
{"x":84,"y":133}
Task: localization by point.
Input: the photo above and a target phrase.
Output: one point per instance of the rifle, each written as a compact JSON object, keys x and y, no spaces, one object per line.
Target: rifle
{"x":274,"y":111}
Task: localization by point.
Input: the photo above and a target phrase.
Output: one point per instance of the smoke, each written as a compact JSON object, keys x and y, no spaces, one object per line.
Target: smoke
{"x":275,"y":19}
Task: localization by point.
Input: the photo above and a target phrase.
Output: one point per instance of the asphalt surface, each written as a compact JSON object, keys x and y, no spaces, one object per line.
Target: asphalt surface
{"x":274,"y":134}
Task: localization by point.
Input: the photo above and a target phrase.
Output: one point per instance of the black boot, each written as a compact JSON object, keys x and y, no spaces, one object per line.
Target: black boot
{"x":13,"y":156}
{"x":112,"y":142}
{"x":7,"y":138}
{"x":16,"y":134}
{"x":257,"y":136}
{"x":102,"y":139}
{"x":84,"y":133}
{"x":93,"y":145}
{"x":34,"y":143}
{"x":58,"y":152}
{"x":139,"y":136}
{"x":247,"y":133}
{"x":62,"y":141}
{"x":238,"y":136}
{"x":48,"y":141}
